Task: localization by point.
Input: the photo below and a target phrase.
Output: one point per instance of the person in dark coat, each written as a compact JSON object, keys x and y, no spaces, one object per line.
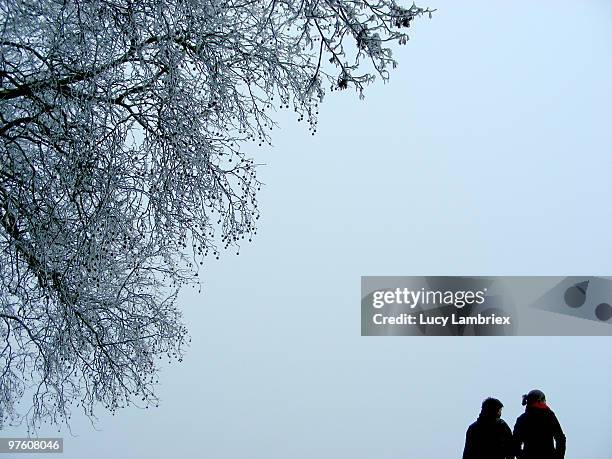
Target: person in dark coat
{"x":537,"y":432}
{"x":489,"y":437}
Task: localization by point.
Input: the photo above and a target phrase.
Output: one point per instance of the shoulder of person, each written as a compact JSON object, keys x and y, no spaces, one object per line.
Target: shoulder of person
{"x":503,"y":424}
{"x":552,"y":414}
{"x":472,"y":426}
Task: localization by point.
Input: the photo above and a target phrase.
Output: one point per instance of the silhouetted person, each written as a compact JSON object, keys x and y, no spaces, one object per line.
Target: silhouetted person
{"x":537,"y":432}
{"x":489,"y":437}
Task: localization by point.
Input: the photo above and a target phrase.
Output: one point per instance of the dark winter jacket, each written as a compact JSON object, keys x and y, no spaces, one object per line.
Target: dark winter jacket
{"x":488,"y":438}
{"x":538,"y":435}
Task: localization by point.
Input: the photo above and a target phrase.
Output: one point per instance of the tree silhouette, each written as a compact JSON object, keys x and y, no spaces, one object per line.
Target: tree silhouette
{"x":122,"y":130}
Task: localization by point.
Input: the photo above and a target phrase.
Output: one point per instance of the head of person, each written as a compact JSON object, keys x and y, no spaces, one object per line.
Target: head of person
{"x":491,"y":408}
{"x":533,"y":397}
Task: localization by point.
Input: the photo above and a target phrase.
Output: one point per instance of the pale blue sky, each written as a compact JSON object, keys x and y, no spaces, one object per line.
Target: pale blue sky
{"x":488,"y":153}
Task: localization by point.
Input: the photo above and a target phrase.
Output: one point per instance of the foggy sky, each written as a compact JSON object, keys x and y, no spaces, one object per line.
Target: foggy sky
{"x":488,"y":153}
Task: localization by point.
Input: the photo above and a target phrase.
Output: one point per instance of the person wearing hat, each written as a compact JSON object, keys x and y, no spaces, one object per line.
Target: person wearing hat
{"x":489,"y":437}
{"x":537,"y":432}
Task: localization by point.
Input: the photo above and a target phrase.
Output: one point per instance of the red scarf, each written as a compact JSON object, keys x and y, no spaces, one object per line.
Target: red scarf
{"x":541,"y":405}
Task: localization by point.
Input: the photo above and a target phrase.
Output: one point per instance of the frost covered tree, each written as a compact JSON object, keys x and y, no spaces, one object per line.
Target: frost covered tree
{"x":123,"y":126}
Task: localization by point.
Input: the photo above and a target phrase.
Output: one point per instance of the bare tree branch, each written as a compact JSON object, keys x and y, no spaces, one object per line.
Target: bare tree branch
{"x":123,"y":131}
